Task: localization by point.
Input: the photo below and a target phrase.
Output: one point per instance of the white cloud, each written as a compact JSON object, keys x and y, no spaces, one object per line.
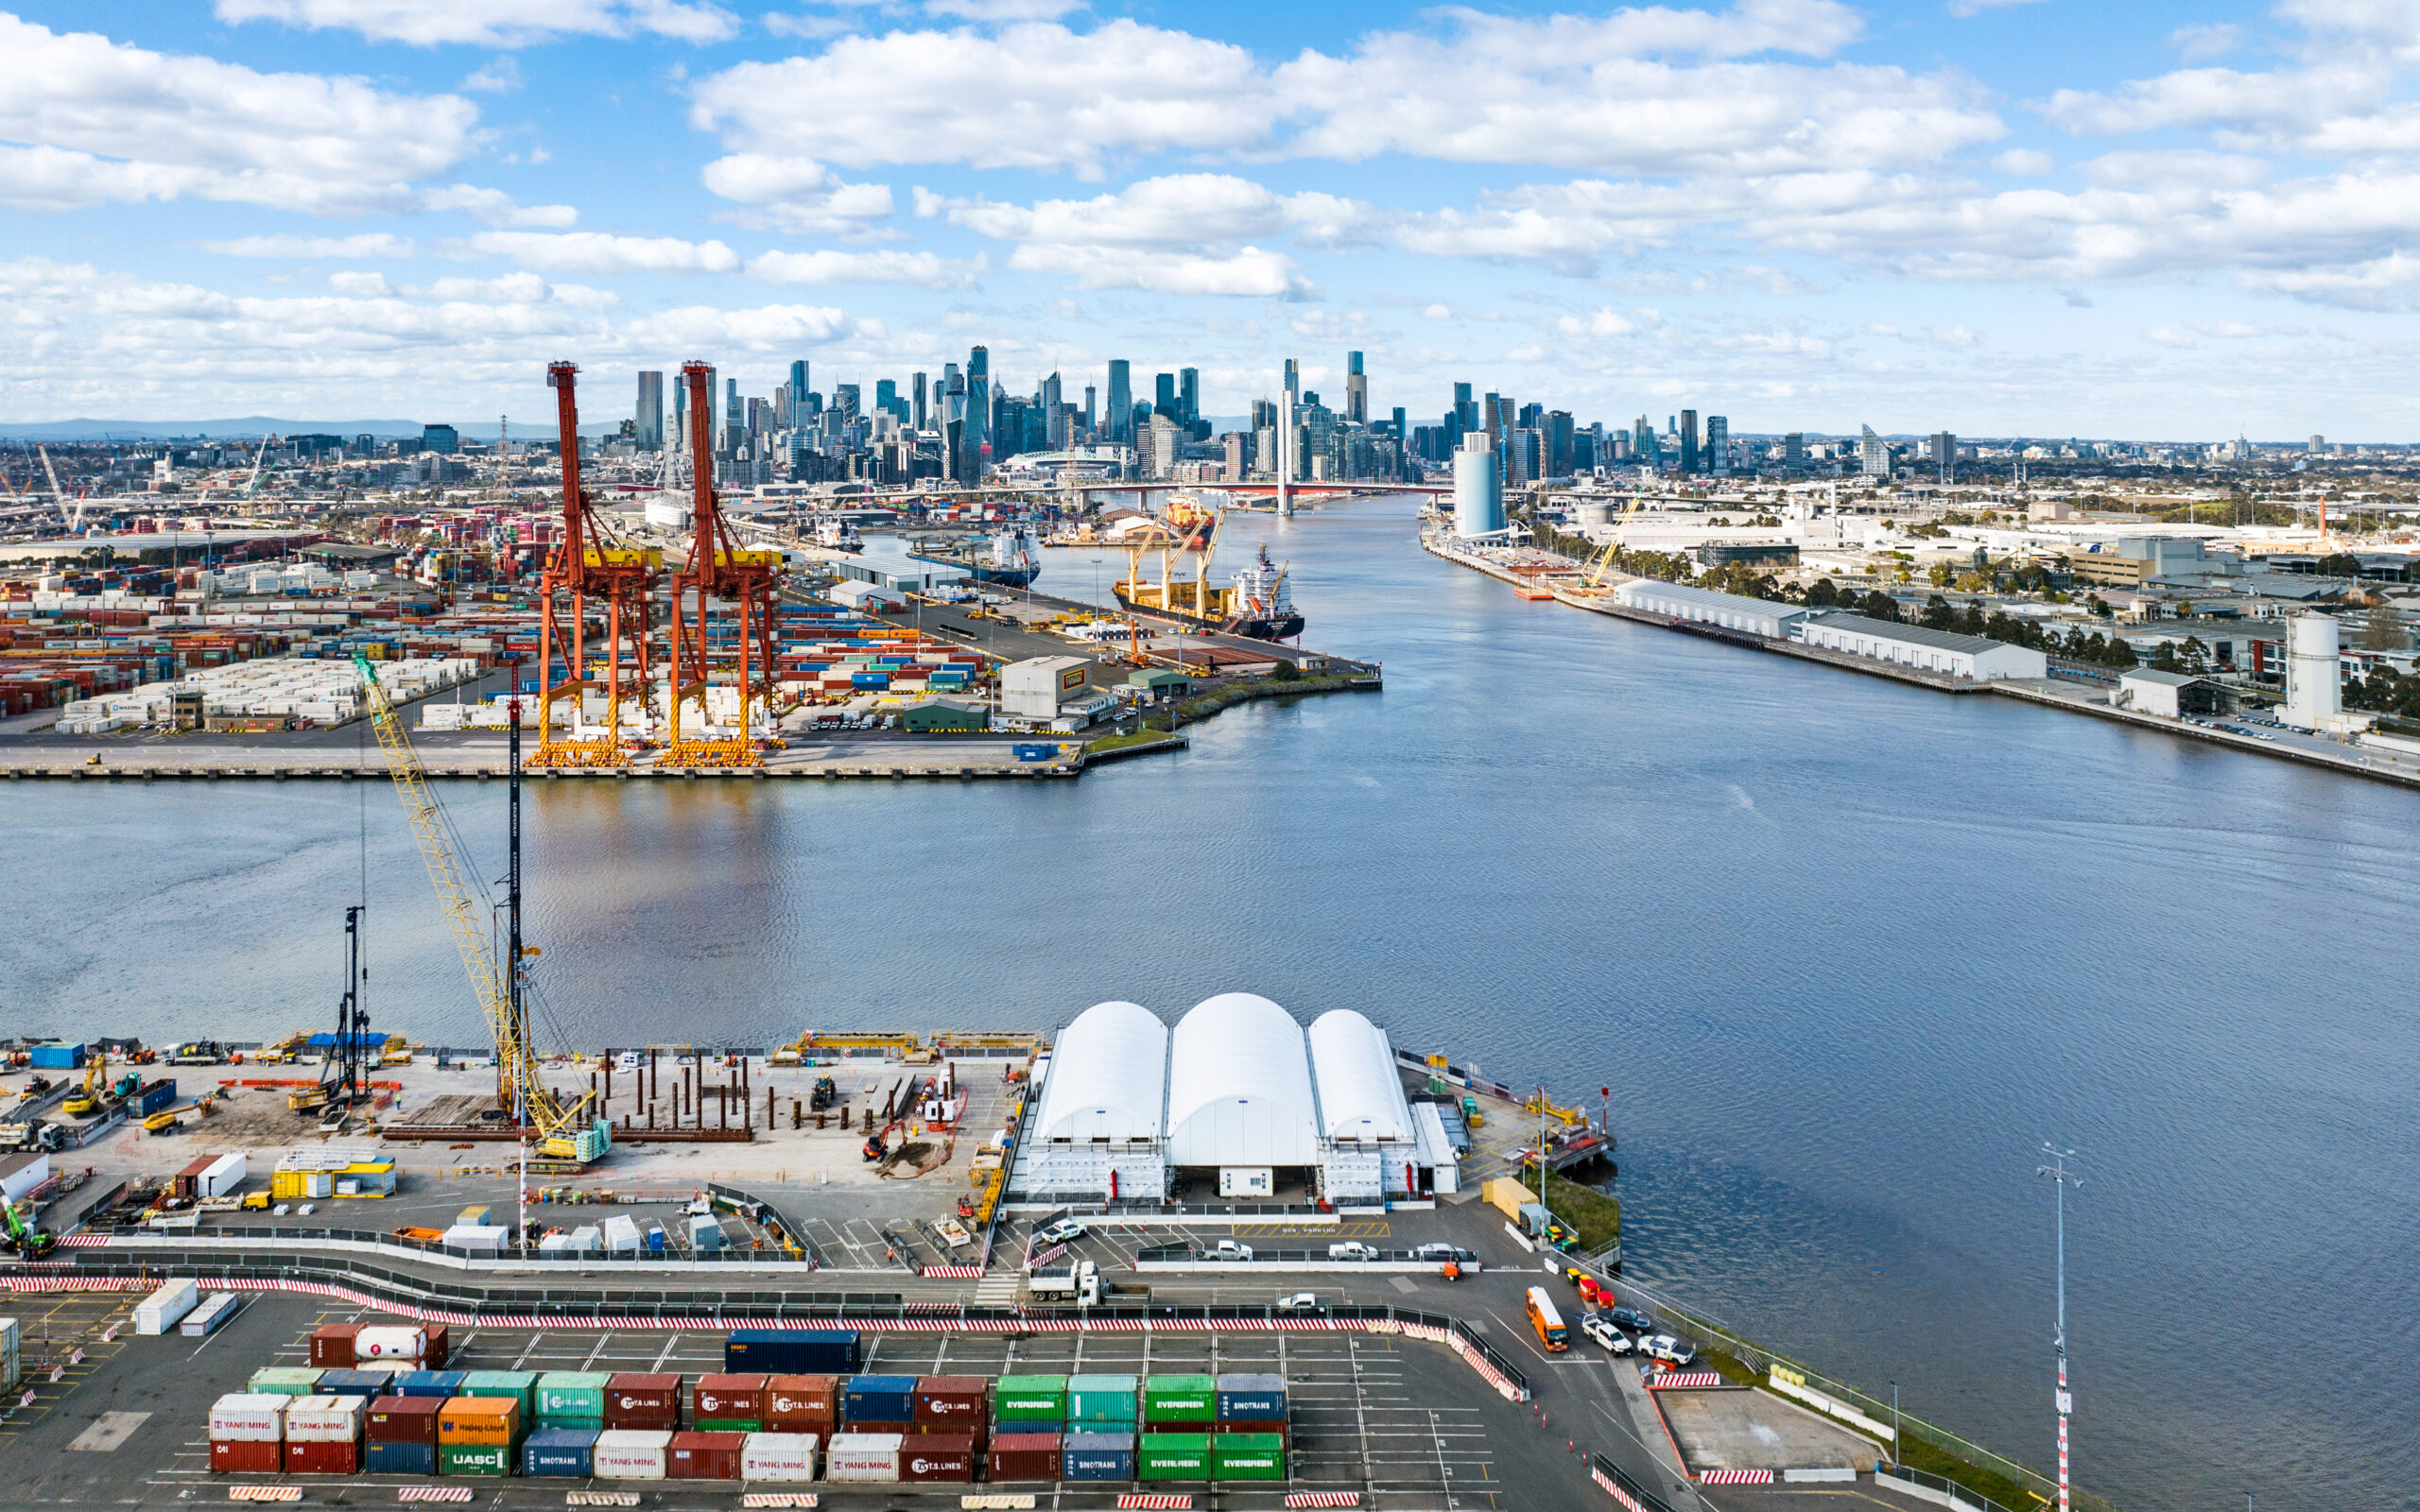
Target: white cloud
{"x":1437,"y":312}
{"x":1976,"y":7}
{"x":2204,"y":40}
{"x":497,"y":76}
{"x":359,"y":283}
{"x":2024,"y":162}
{"x":1246,"y":271}
{"x":1603,"y":322}
{"x":490,"y":22}
{"x":597,"y":253}
{"x":2168,"y":337}
{"x":800,"y":196}
{"x":1177,"y":210}
{"x":368,"y":244}
{"x":1004,"y":9}
{"x":771,"y":328}
{"x":921,"y":270}
{"x":1952,"y":335}
{"x":496,"y":206}
{"x":85,"y":122}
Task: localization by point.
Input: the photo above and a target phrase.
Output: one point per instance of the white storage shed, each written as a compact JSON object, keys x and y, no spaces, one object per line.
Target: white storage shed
{"x":1097,"y":1126}
{"x":1372,"y":1142}
{"x":1239,"y":1087}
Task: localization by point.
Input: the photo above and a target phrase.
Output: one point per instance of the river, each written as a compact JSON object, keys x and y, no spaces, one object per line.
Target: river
{"x":1847,"y":952}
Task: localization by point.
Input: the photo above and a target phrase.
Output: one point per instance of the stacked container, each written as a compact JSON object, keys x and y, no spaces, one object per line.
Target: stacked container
{"x":425,"y":1347}
{"x":867,"y":1458}
{"x":248,"y":1432}
{"x":1104,"y":1403}
{"x":442,"y":1384}
{"x":516,"y":1386}
{"x":369,"y":1383}
{"x":1098,"y":1456}
{"x":633,"y":1453}
{"x":1187,"y":1404}
{"x":778,"y":1457}
{"x":286,"y":1381}
{"x":648,"y":1402}
{"x":938,"y":1457}
{"x":12,"y":1353}
{"x":402,"y":1435}
{"x":1248,"y":1457}
{"x":953,"y":1404}
{"x":1034,"y":1404}
{"x":332,"y":1345}
{"x":878,"y":1404}
{"x":572,"y":1398}
{"x":1251,"y":1404}
{"x":705,"y":1456}
{"x":1017,"y":1456}
{"x":570,"y":1451}
{"x":479,"y":1436}
{"x":323,"y":1435}
{"x":803,"y":1404}
{"x":731,"y":1404}
{"x":776,"y":1352}
{"x":1173,"y":1457}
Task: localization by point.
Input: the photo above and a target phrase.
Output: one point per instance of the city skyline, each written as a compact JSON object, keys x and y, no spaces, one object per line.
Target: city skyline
{"x":1806,"y":215}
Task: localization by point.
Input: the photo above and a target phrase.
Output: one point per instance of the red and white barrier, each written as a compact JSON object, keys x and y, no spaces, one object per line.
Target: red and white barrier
{"x":1679,"y":1381}
{"x":264,"y":1493}
{"x":432,"y":1493}
{"x":1613,"y":1489}
{"x":953,"y":1273}
{"x":775,"y":1499}
{"x":1325,"y":1499}
{"x":1174,"y":1504}
{"x":1736,"y":1478}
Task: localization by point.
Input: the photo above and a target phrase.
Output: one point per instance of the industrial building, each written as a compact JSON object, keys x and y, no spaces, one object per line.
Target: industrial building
{"x":1479,"y":489}
{"x":2174,"y":695}
{"x":1945,"y":651}
{"x":1052,"y":693}
{"x":1237,"y":1099}
{"x":1733,"y":612}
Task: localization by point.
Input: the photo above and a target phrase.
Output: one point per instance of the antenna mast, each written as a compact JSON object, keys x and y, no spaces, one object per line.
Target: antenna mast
{"x":2062,"y":1179}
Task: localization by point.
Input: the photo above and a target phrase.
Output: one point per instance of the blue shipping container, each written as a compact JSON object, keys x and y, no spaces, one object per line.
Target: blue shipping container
{"x":399,"y":1459}
{"x":430,"y":1384}
{"x":1034,"y":753}
{"x":791,"y":1352}
{"x":1097,"y":1457}
{"x":869,"y":680}
{"x":154,"y":1097}
{"x":1251,"y":1399}
{"x":878,"y":1399}
{"x":357,"y":1384}
{"x":558,"y":1451}
{"x":59,"y":1058}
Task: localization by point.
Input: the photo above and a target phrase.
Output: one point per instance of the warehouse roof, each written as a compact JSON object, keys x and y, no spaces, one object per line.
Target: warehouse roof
{"x":1914,"y":634}
{"x":1705,"y":598}
{"x":1361,"y":1095}
{"x":1239,"y":1087}
{"x":1107,"y":1077}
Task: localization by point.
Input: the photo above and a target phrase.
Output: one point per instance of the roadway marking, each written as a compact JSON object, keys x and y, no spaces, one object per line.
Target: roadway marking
{"x":109,"y":1431}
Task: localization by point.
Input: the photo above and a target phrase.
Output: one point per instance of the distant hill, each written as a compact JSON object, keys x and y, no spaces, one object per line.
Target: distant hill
{"x":257,"y":426}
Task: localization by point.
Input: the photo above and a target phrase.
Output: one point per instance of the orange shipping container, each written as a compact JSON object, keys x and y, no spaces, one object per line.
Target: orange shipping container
{"x":479,"y":1421}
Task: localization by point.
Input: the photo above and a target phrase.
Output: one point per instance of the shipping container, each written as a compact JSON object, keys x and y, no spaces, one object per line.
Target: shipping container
{"x":313,"y":1456}
{"x":1180,"y":1400}
{"x":163,"y":1309}
{"x":1032,"y":1399}
{"x":205,"y":1319}
{"x":1251,"y":1398}
{"x":863,"y":1457}
{"x":1106,"y":1456}
{"x":633,"y":1453}
{"x":878,"y":1398}
{"x":12,"y":1353}
{"x":641,"y":1400}
{"x":249,"y":1418}
{"x":225,"y":1175}
{"x":479,"y":1421}
{"x":778,"y":1457}
{"x":940,"y":1457}
{"x":503,"y":1385}
{"x":325,"y":1419}
{"x":1247,"y":1457}
{"x":1277,"y":1426}
{"x":404,"y":1343}
{"x":1101,"y":1398}
{"x":705,"y":1456}
{"x":440,"y":1383}
{"x":404,"y":1420}
{"x":568,"y":1394}
{"x":801,"y":1403}
{"x":1173,"y":1457}
{"x":332,"y":1345}
{"x":474,"y":1459}
{"x":809,"y":1352}
{"x":371,"y":1383}
{"x":1024,"y":1457}
{"x":729,"y":1403}
{"x":388,"y":1457}
{"x":247,"y":1456}
{"x":287,"y":1381}
{"x":959,"y":1402}
{"x":57,"y":1057}
{"x":559,"y":1451}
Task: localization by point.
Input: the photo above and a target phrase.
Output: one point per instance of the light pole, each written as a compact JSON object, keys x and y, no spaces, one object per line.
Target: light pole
{"x":2062,"y":1179}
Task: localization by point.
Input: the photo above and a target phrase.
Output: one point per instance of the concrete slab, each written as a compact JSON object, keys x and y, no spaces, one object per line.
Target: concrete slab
{"x":1734,"y":1429}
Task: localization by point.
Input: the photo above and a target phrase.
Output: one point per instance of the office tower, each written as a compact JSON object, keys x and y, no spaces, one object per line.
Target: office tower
{"x":1718,"y":445}
{"x":1188,"y":395}
{"x":1479,"y":488}
{"x":798,"y":387}
{"x":1356,"y":390}
{"x":1692,"y":460}
{"x":1557,"y":428}
{"x":975,"y":441}
{"x":1092,"y":420}
{"x":1793,"y":450}
{"x":1466,"y":416}
{"x":1054,"y":414}
{"x":1873,"y":455}
{"x":921,"y":415}
{"x":1944,"y":455}
{"x":1491,"y":419}
{"x":1642,"y":441}
{"x":1121,"y":403}
{"x":886,"y":396}
{"x":650,"y":412}
{"x":1164,"y":400}
{"x":733,"y":416}
{"x":1285,"y":462}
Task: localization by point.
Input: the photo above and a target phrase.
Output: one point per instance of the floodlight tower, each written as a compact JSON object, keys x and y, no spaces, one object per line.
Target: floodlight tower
{"x":2061,"y":1179}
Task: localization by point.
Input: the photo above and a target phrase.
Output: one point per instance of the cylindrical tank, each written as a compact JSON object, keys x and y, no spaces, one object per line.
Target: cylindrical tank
{"x":2314,"y":679}
{"x":1479,"y":489}
{"x":1596,"y":514}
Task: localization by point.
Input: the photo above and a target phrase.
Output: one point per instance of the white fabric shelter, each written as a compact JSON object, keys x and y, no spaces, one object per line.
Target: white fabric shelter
{"x":1360,"y":1093}
{"x":1108,"y":1078}
{"x":1239,"y":1087}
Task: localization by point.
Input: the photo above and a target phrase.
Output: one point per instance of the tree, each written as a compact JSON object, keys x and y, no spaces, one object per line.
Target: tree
{"x":1938,"y":615}
{"x":2382,"y":630}
{"x":2164,"y":659}
{"x":1822,"y":593}
{"x":1878,"y":605}
{"x":2339,"y":564}
{"x":2095,"y":603}
{"x":1284,"y":672}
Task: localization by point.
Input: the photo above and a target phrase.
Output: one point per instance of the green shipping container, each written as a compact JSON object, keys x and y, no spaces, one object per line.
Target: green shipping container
{"x":1248,"y":1457}
{"x":474,"y":1459}
{"x":1180,"y":1400}
{"x":517,"y":1385}
{"x":1101,"y":1398}
{"x":286,"y":1381}
{"x":1173,"y":1457}
{"x":729,"y":1425}
{"x":1030,"y":1400}
{"x":569,"y":1394}
{"x":577,"y":1425}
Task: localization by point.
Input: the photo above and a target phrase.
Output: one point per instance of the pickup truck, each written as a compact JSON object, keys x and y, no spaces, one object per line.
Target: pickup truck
{"x":1352,"y":1249}
{"x":1228,"y":1250}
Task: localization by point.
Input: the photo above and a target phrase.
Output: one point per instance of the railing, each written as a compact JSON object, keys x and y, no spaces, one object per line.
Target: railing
{"x":1956,"y":1494}
{"x":248,"y":1237}
{"x":1625,"y":1491}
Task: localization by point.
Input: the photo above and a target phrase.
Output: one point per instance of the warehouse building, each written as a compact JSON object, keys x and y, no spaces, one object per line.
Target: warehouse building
{"x":1733,"y":612}
{"x":1372,"y":1147}
{"x":2175,"y":694}
{"x":1104,"y":1091}
{"x":1944,"y":651}
{"x":1239,"y":1094}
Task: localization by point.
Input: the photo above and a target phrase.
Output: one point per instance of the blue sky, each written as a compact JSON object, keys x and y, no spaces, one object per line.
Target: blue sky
{"x":2002,"y":216}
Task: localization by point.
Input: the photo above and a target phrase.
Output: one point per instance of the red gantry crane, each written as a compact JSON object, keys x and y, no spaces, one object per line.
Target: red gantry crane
{"x":718,"y":571}
{"x":584,"y":566}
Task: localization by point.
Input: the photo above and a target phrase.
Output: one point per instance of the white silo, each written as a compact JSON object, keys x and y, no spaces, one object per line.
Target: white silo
{"x":1479,"y":489}
{"x":2315,"y":681}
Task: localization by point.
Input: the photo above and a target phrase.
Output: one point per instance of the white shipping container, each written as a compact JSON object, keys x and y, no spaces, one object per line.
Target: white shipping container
{"x":207,"y":1314}
{"x":777,"y":1457}
{"x":325,"y":1419}
{"x":389,"y":1341}
{"x":166,"y":1308}
{"x":862,"y":1457}
{"x":12,"y":1360}
{"x":632,"y":1454}
{"x":225,"y":1175}
{"x":249,"y":1418}
{"x":482,"y":1236}
{"x":621,"y":1235}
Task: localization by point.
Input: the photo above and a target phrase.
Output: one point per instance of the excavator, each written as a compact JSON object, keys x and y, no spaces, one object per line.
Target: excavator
{"x":23,"y":1240}
{"x":86,"y":1100}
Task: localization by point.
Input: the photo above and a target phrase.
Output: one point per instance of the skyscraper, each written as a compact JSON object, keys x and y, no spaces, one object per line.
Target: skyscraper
{"x":1092,"y":412}
{"x":1054,"y":414}
{"x":650,"y":415}
{"x":1164,"y":397}
{"x":1286,"y":461}
{"x":919,"y":402}
{"x":1690,"y":461}
{"x":1121,"y":403}
{"x":1944,"y":455}
{"x":1718,"y":445}
{"x":973,"y":446}
{"x":1356,"y":390}
{"x":798,"y":387}
{"x":1873,"y":455}
{"x":733,"y":417}
{"x":1188,"y":395}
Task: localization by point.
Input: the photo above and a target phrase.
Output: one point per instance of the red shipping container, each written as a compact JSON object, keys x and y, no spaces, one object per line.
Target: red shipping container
{"x":332,"y":1345}
{"x":802,"y":1404}
{"x":441,"y":1348}
{"x":1275,"y":1426}
{"x":248,"y":1458}
{"x":960,"y":1402}
{"x":705,"y":1456}
{"x":404,"y":1420}
{"x":937,"y":1457}
{"x":730,"y":1397}
{"x":323,"y":1459}
{"x":1025,"y":1457}
{"x":634,"y":1400}
{"x":877,"y":1428}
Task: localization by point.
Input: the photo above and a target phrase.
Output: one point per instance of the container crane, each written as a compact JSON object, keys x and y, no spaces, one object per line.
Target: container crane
{"x":59,"y":495}
{"x":587,"y":564}
{"x":563,"y":1130}
{"x":717,"y":569}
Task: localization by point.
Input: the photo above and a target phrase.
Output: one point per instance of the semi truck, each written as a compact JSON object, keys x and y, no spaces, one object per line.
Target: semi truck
{"x":1078,"y":1282}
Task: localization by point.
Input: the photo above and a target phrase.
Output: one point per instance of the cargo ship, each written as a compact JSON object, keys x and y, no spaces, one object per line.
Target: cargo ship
{"x":1259,"y":605}
{"x":833,"y":533}
{"x":1014,"y":559}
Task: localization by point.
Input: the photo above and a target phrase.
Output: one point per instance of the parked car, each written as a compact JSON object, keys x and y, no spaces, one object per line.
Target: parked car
{"x":1301,"y":1302}
{"x":1444,"y":1252}
{"x":1228,"y":1250}
{"x":1637,"y":1322}
{"x":1352,"y":1249}
{"x":1613,"y":1339}
{"x":1668,"y":1349}
{"x":1066,"y":1231}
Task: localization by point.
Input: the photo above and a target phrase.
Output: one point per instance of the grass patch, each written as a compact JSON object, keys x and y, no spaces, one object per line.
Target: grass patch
{"x":1917,"y":1454}
{"x":1597,"y":1217}
{"x":1739,"y":1373}
{"x":1140,"y":737}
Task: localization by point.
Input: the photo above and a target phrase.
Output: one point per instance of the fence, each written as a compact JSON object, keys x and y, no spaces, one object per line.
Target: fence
{"x":1937,"y":1488}
{"x":1622,"y":1488}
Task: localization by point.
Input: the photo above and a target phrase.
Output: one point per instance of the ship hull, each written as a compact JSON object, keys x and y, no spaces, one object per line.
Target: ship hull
{"x":1251,"y":626}
{"x":1007,"y":576}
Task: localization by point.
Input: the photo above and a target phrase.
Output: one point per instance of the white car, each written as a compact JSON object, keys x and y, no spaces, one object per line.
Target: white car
{"x":1066,"y":1231}
{"x":1668,"y":1349}
{"x":1228,"y":1250}
{"x":1613,"y":1339}
{"x":1299,"y":1302}
{"x":1352,"y":1249}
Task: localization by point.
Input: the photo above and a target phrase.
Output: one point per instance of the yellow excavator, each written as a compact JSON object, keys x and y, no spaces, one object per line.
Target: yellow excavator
{"x":86,"y":1100}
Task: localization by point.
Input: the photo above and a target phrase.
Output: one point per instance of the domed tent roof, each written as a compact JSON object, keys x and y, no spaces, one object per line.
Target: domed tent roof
{"x":1361,"y":1095}
{"x":1107,"y":1077}
{"x":1239,"y":1087}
